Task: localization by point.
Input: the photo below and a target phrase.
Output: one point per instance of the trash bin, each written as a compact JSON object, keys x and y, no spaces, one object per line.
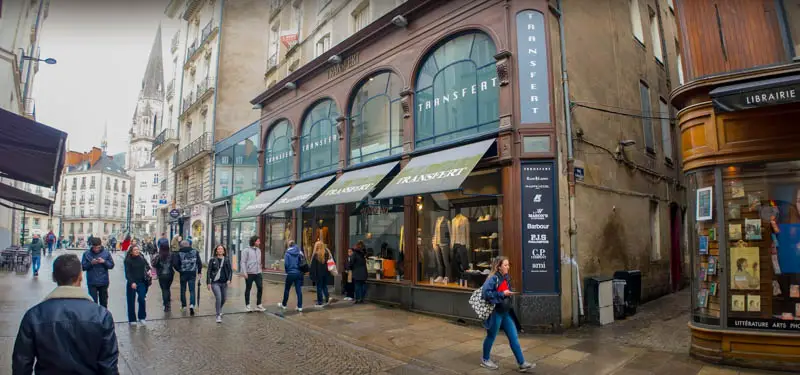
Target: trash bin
{"x":633,"y":289}
{"x":599,"y":300}
{"x":619,"y":298}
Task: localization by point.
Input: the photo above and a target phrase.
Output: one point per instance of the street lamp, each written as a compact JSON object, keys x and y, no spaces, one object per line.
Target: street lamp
{"x":49,"y":60}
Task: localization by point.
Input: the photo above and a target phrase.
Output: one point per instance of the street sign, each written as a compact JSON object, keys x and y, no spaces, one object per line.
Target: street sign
{"x":578,"y":174}
{"x":162,"y":201}
{"x":174,"y":213}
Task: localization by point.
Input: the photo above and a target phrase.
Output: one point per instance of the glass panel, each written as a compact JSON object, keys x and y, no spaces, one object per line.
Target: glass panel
{"x":458,"y":234}
{"x":705,"y":247}
{"x":539,"y":143}
{"x":319,"y":144}
{"x":457,"y":91}
{"x":224,"y":173}
{"x":279,"y":230}
{"x":278,"y":155}
{"x":245,"y":165}
{"x":376,"y":119}
{"x":379,"y":225}
{"x":761,"y":205}
{"x":319,"y":225}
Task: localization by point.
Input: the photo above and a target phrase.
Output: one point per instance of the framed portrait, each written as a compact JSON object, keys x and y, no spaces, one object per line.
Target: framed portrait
{"x":737,"y":302}
{"x":705,"y":204}
{"x":753,"y":303}
{"x":745,"y":271}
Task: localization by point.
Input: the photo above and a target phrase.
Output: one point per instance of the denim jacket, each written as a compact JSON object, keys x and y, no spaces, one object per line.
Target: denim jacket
{"x":489,"y":292}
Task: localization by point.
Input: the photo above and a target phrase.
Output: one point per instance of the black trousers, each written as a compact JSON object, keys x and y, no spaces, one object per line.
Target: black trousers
{"x":99,"y":292}
{"x":166,"y":294}
{"x":248,"y":285}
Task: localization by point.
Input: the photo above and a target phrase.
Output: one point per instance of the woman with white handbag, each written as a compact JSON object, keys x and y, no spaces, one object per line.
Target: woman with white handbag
{"x":323,"y":267}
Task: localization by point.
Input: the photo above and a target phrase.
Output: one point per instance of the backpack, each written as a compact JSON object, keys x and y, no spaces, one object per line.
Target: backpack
{"x":165,"y":267}
{"x":188,"y":261}
{"x":481,"y":306}
{"x":302,"y":264}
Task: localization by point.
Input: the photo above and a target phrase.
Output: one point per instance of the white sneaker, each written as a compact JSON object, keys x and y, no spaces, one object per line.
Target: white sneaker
{"x":260,"y":308}
{"x":219,"y":318}
{"x":281,"y":306}
{"x":247,"y":308}
{"x":143,"y":322}
{"x":348,"y":299}
{"x":319,"y":306}
{"x":299,"y":309}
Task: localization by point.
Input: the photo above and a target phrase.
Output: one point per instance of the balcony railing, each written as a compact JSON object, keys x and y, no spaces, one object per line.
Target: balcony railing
{"x":175,"y":42}
{"x":197,"y":44}
{"x":171,"y":89}
{"x":202,"y":90}
{"x":164,"y":136}
{"x":191,"y":49}
{"x":187,"y":102}
{"x":207,"y":29}
{"x":163,"y":185}
{"x":202,"y":144}
{"x":183,"y":198}
{"x":196,"y":194}
{"x":272,"y":61}
{"x":89,"y":216}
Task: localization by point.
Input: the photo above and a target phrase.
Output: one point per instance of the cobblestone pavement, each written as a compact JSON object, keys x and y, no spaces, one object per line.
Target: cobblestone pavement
{"x":362,"y":339}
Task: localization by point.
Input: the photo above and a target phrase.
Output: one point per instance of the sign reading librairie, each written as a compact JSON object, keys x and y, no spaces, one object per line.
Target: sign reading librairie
{"x":534,"y":91}
{"x":540,"y":259}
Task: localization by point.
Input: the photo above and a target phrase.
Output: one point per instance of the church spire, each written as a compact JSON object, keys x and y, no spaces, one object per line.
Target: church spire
{"x":104,"y":142}
{"x":153,"y":80}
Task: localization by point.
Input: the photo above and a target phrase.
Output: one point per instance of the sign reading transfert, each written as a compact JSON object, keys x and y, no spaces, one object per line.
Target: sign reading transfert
{"x":534,"y":91}
{"x":540,"y":258}
{"x":353,"y":186}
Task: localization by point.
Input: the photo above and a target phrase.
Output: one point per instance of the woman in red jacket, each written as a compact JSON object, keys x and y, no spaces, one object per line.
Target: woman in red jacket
{"x":126,"y":243}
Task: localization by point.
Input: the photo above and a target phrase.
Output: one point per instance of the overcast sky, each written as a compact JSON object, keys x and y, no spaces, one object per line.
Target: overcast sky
{"x":102,"y":48}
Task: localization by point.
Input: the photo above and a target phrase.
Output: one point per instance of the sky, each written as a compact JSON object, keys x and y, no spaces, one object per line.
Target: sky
{"x":102,"y":48}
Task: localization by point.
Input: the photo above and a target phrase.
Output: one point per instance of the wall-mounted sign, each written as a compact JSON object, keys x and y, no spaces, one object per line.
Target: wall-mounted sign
{"x":540,"y":258}
{"x":348,"y":63}
{"x":174,"y":213}
{"x":534,"y":91}
{"x":457,"y":94}
{"x":755,"y":94}
{"x":289,"y":38}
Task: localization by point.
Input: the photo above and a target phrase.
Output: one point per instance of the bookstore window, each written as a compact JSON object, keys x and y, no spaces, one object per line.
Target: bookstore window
{"x":705,"y":237}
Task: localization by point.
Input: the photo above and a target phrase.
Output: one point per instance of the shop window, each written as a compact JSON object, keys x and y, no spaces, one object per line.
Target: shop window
{"x":457,"y":90}
{"x":460,"y":232}
{"x":792,"y":11}
{"x":246,"y":157}
{"x":379,"y":225}
{"x":706,"y":239}
{"x":278,"y":154}
{"x":279,"y":231}
{"x":376,"y":126}
{"x":223,"y":172}
{"x":241,"y":231}
{"x":318,"y":225}
{"x":319,"y":142}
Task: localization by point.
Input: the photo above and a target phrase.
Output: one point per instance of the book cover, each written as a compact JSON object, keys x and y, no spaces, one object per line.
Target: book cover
{"x":752,"y":229}
{"x":776,"y":266}
{"x":712,"y":290}
{"x":754,"y":201}
{"x":702,"y":298}
{"x":737,"y":302}
{"x":703,"y":245}
{"x":712,"y":234}
{"x":702,"y":276}
{"x":797,"y":310}
{"x":776,"y":288}
{"x":745,"y":271}
{"x":734,"y":211}
{"x":737,"y":189}
{"x":753,"y":303}
{"x":712,"y":265}
{"x":794,"y":291}
{"x":735,"y":231}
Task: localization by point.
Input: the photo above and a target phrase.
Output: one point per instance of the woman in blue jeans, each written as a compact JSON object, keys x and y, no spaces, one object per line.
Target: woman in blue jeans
{"x":136,"y":268}
{"x":497,"y":291}
{"x":320,"y":274}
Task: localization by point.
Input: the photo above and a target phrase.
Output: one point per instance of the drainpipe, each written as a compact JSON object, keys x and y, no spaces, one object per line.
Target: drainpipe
{"x":30,"y":53}
{"x":577,"y":298}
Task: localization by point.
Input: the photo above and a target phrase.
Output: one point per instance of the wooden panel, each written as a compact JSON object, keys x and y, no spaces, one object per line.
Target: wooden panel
{"x":763,"y":350}
{"x":749,"y":28}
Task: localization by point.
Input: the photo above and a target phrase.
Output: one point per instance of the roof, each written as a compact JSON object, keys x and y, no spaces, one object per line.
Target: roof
{"x":153,"y":80}
{"x":108,"y":165}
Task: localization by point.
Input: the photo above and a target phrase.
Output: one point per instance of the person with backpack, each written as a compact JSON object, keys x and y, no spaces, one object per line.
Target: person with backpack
{"x":97,"y":262}
{"x":112,"y":244}
{"x":319,"y":272}
{"x":162,"y":262}
{"x":358,"y":267}
{"x":162,"y":241}
{"x":251,"y":271}
{"x":51,"y":242}
{"x":497,"y":291}
{"x":218,"y":278}
{"x":137,"y":282}
{"x":189,"y":266}
{"x":35,"y":249}
{"x":296,"y":266}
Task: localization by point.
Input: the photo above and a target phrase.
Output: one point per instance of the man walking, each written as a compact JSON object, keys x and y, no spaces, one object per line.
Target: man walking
{"x":189,"y":266}
{"x":163,"y":241}
{"x":51,"y":242}
{"x":35,"y":249}
{"x":66,"y":333}
{"x":251,"y":271}
{"x":96,"y":262}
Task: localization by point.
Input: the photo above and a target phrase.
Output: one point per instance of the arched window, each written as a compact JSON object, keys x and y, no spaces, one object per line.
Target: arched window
{"x":376,"y":126}
{"x":319,"y":143}
{"x":278,"y":154}
{"x":456,"y":90}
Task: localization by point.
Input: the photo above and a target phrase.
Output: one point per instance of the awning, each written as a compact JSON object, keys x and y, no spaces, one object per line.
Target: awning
{"x":436,"y":172}
{"x":299,"y":194}
{"x":23,"y":198}
{"x":262,"y":201}
{"x":29,"y":151}
{"x":755,"y":94}
{"x":353,"y":186}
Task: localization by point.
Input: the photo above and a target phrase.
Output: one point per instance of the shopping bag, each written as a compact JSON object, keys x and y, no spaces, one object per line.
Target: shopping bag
{"x":332,"y":265}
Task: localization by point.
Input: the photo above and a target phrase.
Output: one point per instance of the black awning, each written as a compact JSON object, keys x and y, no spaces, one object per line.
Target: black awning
{"x":353,"y":186}
{"x":260,"y":203}
{"x":23,"y":198}
{"x":299,"y":195}
{"x":29,"y":151}
{"x":756,"y":94}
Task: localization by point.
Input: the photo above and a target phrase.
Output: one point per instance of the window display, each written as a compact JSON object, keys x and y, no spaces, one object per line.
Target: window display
{"x":278,"y":232}
{"x":706,"y":309}
{"x":460,"y":232}
{"x":379,"y":224}
{"x":319,"y":225}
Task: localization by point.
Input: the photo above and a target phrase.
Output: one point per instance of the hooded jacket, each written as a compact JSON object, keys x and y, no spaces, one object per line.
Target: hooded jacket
{"x":97,"y":274}
{"x":36,"y":247}
{"x":187,"y":261}
{"x":48,"y":333}
{"x":358,"y":265}
{"x":291,"y":260}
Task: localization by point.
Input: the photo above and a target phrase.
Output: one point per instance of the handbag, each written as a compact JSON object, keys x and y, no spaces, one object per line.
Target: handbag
{"x":331,"y":264}
{"x":483,"y":309}
{"x":148,"y":276}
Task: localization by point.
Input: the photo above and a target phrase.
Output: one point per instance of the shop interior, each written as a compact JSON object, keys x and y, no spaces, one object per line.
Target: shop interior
{"x":278,"y":232}
{"x":379,"y":224}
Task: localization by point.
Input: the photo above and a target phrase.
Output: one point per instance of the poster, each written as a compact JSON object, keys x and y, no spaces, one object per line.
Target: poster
{"x":735,"y":231}
{"x":754,"y":201}
{"x":734,"y":211}
{"x":753,"y":303}
{"x":702,"y":298}
{"x":703,"y":245}
{"x":712,"y":265}
{"x":745,"y":272}
{"x":704,"y":204}
{"x":737,"y":189}
{"x":540,"y":259}
{"x":737,"y":302}
{"x":752,"y":229}
{"x":789,"y":248}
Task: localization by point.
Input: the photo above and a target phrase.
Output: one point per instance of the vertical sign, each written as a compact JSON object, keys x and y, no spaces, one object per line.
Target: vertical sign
{"x":534,"y":88}
{"x":539,"y":248}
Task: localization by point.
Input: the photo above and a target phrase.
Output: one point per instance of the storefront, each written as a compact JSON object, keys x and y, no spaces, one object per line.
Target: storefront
{"x":220,"y":224}
{"x":419,"y":155}
{"x":741,"y":152}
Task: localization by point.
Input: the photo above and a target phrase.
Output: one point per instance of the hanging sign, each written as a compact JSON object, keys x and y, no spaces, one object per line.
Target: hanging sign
{"x":540,"y":259}
{"x":174,"y":213}
{"x":534,"y":91}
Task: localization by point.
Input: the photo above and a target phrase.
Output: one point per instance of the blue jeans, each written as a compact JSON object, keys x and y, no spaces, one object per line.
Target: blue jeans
{"x":361,"y":290}
{"x":50,"y":248}
{"x":297,"y":281}
{"x":502,"y":320}
{"x":188,"y":279}
{"x":36,"y":262}
{"x":322,"y":290}
{"x":134,"y":296}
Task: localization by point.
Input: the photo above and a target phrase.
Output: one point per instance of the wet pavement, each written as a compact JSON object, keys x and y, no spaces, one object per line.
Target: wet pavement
{"x":359,"y":339}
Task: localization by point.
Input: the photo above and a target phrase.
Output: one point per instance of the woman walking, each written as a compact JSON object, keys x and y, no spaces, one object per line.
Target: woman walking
{"x":358,"y":266}
{"x":497,"y":291}
{"x":319,"y":272}
{"x":136,"y":269}
{"x":162,"y":262}
{"x":175,"y":244}
{"x":126,"y":243}
{"x":218,"y":278}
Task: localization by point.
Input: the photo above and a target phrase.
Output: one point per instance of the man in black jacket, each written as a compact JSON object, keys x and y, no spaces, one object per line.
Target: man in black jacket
{"x":67,"y":333}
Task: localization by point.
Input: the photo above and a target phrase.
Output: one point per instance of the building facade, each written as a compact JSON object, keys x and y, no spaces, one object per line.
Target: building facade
{"x":741,"y":95}
{"x":436,"y":134}
{"x":145,"y":200}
